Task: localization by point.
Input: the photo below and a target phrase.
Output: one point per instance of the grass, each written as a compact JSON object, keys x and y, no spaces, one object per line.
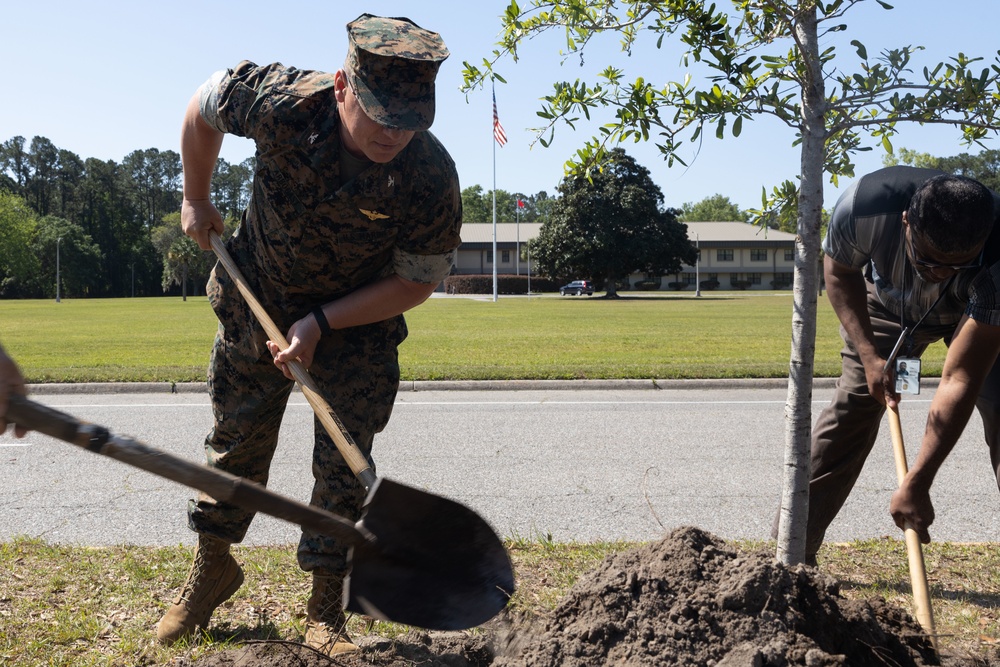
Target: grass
{"x":68,"y":605}
{"x":73,"y":606}
{"x":651,"y":336}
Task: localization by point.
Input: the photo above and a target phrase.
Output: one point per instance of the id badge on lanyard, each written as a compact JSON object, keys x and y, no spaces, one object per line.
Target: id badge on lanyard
{"x":907,"y":375}
{"x":907,"y":369}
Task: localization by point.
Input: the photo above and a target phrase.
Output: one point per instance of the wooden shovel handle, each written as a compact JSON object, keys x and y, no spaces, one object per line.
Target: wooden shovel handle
{"x":914,"y":551}
{"x":219,"y":484}
{"x":331,"y":423}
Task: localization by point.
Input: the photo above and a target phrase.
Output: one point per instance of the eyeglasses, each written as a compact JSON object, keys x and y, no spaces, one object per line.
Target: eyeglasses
{"x":935,"y":266}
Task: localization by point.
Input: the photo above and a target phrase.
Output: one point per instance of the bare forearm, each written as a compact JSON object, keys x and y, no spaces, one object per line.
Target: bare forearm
{"x":848,"y":296}
{"x":200,"y":146}
{"x":376,"y":302}
{"x":972,"y":353}
{"x":949,"y":413}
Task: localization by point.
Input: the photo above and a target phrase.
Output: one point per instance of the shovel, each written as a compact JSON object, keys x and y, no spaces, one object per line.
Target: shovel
{"x":327,"y":417}
{"x":415,"y":558}
{"x":914,"y":552}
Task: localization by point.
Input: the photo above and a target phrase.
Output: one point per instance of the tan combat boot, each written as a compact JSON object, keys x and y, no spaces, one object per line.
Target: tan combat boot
{"x":326,"y":623}
{"x":214,"y":577}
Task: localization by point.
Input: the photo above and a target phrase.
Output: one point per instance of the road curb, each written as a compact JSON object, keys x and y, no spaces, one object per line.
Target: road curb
{"x":456,"y":385}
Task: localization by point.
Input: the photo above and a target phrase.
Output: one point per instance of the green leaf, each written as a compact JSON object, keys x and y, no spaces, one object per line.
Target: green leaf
{"x":862,"y":51}
{"x":737,"y":126}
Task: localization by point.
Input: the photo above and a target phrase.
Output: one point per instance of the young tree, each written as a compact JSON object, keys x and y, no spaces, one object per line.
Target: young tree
{"x":611,"y":225}
{"x":763,"y":60}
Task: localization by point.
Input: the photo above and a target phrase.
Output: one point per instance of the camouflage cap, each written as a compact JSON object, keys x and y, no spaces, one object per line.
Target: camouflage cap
{"x":391,"y":66}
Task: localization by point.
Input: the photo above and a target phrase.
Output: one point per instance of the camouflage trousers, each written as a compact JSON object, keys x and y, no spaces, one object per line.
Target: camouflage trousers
{"x":357,"y":373}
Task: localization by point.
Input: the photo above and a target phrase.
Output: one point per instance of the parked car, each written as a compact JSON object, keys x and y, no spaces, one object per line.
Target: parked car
{"x":577,"y":287}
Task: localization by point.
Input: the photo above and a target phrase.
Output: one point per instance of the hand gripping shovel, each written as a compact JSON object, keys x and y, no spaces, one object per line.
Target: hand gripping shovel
{"x":415,"y":558}
{"x":331,"y":422}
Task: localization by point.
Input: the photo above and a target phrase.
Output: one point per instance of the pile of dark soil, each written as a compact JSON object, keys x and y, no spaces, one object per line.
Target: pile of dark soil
{"x":688,"y":599}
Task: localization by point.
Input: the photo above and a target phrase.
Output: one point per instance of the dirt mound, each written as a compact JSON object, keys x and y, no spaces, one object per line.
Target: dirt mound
{"x":685,"y":600}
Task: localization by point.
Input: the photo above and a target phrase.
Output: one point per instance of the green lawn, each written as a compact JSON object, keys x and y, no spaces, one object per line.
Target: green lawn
{"x":719,"y":335}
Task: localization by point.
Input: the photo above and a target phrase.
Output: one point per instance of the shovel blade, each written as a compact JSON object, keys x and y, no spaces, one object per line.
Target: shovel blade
{"x":433,"y":563}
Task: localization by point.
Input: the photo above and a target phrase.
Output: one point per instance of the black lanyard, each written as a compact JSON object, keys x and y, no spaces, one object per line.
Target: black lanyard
{"x":907,"y":333}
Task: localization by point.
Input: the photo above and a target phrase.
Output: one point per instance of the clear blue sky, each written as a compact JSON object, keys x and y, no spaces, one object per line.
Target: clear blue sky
{"x":104,"y":78}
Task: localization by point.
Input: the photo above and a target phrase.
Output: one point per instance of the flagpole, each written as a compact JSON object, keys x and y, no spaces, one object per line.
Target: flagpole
{"x":517,"y":226}
{"x":494,"y":194}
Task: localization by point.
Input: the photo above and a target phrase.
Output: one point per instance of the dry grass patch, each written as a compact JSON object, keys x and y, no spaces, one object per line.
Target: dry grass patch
{"x":67,"y":605}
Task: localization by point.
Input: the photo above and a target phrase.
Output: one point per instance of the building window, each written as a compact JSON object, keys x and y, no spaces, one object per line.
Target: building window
{"x":687,"y":278}
{"x":754,"y":278}
{"x":783,"y":280}
{"x":489,"y":256}
{"x":790,"y":255}
{"x":505,"y":257}
{"x":758,"y":255}
{"x":724,"y":255}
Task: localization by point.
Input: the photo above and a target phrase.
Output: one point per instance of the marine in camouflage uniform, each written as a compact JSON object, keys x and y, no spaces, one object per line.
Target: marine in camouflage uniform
{"x":354,"y":217}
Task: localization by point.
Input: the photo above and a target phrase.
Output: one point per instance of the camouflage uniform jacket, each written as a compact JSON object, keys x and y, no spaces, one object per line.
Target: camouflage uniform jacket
{"x":307,"y":237}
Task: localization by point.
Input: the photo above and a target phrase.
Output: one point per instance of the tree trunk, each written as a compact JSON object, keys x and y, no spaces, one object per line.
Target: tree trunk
{"x":610,"y":288}
{"x":798,"y":407}
{"x":184,"y":283}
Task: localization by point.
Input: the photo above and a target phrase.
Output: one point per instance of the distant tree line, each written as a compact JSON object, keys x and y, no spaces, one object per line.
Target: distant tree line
{"x":477,"y":206}
{"x":984,"y":167}
{"x":114,"y":226}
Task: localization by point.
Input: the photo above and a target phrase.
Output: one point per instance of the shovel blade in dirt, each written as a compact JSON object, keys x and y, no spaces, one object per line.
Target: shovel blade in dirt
{"x":415,"y":558}
{"x":433,"y":562}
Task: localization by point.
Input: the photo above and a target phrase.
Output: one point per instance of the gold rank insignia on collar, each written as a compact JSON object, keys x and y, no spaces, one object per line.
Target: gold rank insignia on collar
{"x":374,"y":215}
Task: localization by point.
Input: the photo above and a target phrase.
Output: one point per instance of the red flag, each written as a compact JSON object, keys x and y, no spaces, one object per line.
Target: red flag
{"x":520,"y":203}
{"x":498,"y":132}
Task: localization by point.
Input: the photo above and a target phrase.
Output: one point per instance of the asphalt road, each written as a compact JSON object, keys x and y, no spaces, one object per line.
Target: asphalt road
{"x":567,"y":465}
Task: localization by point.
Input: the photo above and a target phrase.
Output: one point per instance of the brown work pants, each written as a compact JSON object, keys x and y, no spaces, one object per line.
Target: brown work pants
{"x":846,"y":429}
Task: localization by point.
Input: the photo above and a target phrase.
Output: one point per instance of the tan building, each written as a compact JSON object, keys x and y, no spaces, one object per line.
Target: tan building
{"x":737,"y":256}
{"x":733,"y":254}
{"x":475,"y":255}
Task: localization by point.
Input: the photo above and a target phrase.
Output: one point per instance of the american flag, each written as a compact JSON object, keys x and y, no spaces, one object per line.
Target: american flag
{"x":498,"y":132}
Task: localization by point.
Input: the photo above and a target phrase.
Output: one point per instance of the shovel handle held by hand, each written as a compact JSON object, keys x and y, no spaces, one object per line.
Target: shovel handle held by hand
{"x":331,"y":423}
{"x":219,"y":484}
{"x":914,"y":551}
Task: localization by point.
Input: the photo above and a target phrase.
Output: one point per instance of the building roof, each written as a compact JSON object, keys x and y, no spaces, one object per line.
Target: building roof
{"x":735,"y":231}
{"x":507,"y":232}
